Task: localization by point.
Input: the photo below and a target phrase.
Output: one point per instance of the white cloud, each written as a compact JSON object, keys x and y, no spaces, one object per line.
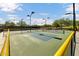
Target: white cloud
{"x":71,"y":16}
{"x":12,"y":17}
{"x":77,"y":16}
{"x":39,"y":21}
{"x":10,"y":7}
{"x":70,"y":8}
{"x":15,"y":21}
{"x":1,"y":21}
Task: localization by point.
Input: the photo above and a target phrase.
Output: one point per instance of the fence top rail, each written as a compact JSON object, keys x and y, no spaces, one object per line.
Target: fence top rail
{"x":61,"y":50}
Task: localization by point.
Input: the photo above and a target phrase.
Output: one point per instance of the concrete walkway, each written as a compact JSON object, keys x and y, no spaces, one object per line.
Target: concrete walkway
{"x":1,"y":40}
{"x":77,"y":44}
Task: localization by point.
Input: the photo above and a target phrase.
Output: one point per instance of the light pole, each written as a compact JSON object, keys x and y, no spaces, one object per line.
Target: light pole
{"x":73,"y":42}
{"x":48,"y":18}
{"x":74,"y":20}
{"x":74,"y":26}
{"x":30,"y":19}
{"x":21,"y":25}
{"x":45,"y":20}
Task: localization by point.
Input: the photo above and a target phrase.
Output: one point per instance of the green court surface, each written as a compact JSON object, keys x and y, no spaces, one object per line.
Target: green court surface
{"x":36,"y":43}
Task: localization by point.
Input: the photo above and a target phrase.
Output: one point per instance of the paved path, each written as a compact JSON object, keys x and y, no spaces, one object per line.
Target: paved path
{"x":1,"y":41}
{"x":77,"y":44}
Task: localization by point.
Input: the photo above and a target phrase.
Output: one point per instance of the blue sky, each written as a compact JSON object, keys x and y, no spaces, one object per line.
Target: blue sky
{"x":15,"y":12}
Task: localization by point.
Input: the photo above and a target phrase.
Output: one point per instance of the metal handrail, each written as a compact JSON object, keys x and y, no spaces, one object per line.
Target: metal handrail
{"x":6,"y":47}
{"x":62,"y":49}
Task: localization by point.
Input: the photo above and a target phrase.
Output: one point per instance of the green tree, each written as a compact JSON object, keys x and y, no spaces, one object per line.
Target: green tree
{"x":62,"y":22}
{"x":56,"y":24}
{"x":22,"y":23}
{"x":8,"y":23}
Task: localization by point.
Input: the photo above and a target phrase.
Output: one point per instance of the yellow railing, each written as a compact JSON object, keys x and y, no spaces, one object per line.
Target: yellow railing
{"x":64,"y":46}
{"x":6,"y":47}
